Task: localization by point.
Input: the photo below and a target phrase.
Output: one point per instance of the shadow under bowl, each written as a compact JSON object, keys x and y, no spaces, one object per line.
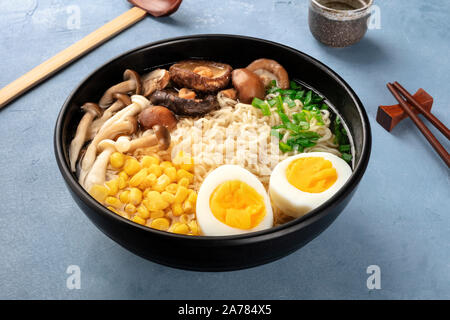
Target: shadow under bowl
{"x":225,"y":252}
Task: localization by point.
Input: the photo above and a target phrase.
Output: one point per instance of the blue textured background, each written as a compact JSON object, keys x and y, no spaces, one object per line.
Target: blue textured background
{"x":399,"y":219}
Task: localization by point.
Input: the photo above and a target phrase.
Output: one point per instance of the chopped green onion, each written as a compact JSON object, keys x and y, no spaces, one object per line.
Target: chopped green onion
{"x":295,"y":86}
{"x":276,"y":133}
{"x":261,"y":104}
{"x":344,"y":147}
{"x":299,"y":95}
{"x":347,"y":157}
{"x":284,"y":147}
{"x":290,"y":102}
{"x":308,"y":98}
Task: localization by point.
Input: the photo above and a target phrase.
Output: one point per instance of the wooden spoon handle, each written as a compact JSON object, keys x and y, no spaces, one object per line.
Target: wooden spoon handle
{"x":65,"y":57}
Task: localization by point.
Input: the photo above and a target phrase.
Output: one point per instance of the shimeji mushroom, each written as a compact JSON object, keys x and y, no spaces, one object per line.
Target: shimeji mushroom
{"x":97,"y":174}
{"x":159,"y":135}
{"x":131,"y":84}
{"x":123,"y":122}
{"x":92,"y":111}
{"x":125,"y":126}
{"x":122,"y":100}
{"x":269,"y":70}
{"x":139,"y":103}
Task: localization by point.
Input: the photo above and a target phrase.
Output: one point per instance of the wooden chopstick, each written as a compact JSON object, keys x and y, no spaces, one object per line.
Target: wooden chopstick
{"x":435,"y":121}
{"x":422,"y":127}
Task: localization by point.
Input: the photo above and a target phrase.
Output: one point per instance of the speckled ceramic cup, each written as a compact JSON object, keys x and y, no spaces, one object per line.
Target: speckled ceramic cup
{"x":339,"y":23}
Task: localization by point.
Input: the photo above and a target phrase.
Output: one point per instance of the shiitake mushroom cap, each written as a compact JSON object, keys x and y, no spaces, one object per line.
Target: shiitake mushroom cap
{"x":183,"y":75}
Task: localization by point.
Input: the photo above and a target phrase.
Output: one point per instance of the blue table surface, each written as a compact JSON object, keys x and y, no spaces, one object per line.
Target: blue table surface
{"x":397,"y":219}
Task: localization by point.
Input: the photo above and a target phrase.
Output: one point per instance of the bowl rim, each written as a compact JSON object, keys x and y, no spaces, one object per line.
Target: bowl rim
{"x":257,"y":236}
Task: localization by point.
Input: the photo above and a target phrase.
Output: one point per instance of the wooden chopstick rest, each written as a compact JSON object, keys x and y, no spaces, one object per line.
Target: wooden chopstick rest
{"x":420,"y":125}
{"x":389,"y":116}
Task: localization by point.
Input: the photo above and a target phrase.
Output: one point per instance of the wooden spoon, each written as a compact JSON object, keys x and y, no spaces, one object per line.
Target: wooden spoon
{"x":157,"y":8}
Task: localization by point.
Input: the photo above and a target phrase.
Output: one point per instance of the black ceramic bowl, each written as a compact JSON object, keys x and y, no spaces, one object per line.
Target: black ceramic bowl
{"x":226,"y":252}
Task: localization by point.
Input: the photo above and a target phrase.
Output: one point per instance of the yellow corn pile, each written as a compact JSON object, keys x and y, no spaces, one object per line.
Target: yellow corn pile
{"x":152,"y":193}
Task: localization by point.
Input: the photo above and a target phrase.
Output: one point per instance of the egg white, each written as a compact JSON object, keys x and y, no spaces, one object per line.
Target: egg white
{"x":208,"y":223}
{"x":296,"y":203}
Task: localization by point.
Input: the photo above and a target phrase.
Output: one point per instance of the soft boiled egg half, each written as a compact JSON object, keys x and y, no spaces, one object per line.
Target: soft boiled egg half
{"x":303,"y":182}
{"x":231,"y":201}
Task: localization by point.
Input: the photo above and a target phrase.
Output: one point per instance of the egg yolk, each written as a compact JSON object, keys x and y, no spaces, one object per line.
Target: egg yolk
{"x":311,"y":174}
{"x":237,"y":205}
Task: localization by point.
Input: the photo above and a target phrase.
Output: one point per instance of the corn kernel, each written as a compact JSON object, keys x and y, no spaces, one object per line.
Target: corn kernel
{"x":157,"y":214}
{"x":135,"y":196}
{"x":99,"y":192}
{"x":184,"y":218}
{"x":161,"y":183}
{"x":148,"y":181}
{"x":188,"y":207}
{"x":113,"y":202}
{"x":124,"y":196}
{"x":180,"y":228}
{"x":113,"y":187}
{"x":165,"y":164}
{"x":181,"y":194}
{"x":146,"y":161}
{"x":138,"y":178}
{"x":143,"y":212}
{"x":177,"y":210}
{"x":138,"y":219}
{"x":113,"y":210}
{"x":124,"y":175}
{"x":124,"y":214}
{"x":117,"y":160}
{"x":130,"y":208}
{"x":194,"y":227}
{"x":122,"y":182}
{"x":184,"y":161}
{"x":160,"y":224}
{"x":168,"y":197}
{"x":132,"y":166}
{"x":192,"y":196}
{"x":185,"y":174}
{"x":171,"y":172}
{"x":184,"y":182}
{"x":154,"y":201}
{"x":172,"y":188}
{"x":154,"y":168}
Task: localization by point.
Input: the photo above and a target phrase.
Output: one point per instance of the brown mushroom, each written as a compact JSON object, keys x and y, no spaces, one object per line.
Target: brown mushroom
{"x":131,"y":84}
{"x":185,"y":107}
{"x":159,"y":135}
{"x":157,"y":115}
{"x":201,"y":75}
{"x":92,"y":111}
{"x":97,"y":174}
{"x":269,"y":70}
{"x":122,"y":100}
{"x":156,"y":80}
{"x":248,"y":85}
{"x":127,"y":126}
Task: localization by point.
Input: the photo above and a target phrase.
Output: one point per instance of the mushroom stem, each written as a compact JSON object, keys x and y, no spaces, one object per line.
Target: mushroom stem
{"x":127,"y":126}
{"x":97,"y":174}
{"x":126,"y":145}
{"x":131,"y":84}
{"x":160,"y":135}
{"x":122,"y":101}
{"x":92,"y":111}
